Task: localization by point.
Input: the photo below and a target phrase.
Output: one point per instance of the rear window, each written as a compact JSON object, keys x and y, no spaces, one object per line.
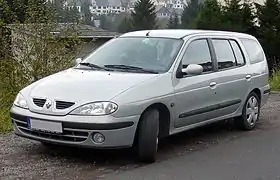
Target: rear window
{"x":238,"y":53}
{"x":254,"y":50}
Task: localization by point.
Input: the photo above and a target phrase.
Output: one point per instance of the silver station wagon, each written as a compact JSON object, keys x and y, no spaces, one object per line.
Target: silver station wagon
{"x":145,"y":85}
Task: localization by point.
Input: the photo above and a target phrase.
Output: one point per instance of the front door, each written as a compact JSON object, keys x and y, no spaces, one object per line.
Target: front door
{"x":194,"y":96}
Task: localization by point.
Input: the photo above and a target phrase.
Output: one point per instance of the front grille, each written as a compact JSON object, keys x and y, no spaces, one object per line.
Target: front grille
{"x":59,"y":104}
{"x":63,"y":104}
{"x":69,"y":134}
{"x":39,"y":102}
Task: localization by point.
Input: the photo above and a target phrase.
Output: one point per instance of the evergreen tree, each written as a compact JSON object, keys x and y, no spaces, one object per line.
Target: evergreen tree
{"x":71,"y":14}
{"x":248,"y":17}
{"x":210,"y":16}
{"x":174,"y":22}
{"x":269,"y":30}
{"x":238,"y":16}
{"x":86,"y":12}
{"x":232,"y":16}
{"x":125,"y":25}
{"x":58,"y":6}
{"x":144,"y":15}
{"x":106,"y":23}
{"x":190,"y":13}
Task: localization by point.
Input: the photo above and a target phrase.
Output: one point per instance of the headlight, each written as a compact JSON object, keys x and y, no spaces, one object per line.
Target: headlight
{"x":20,"y":101}
{"x":96,"y":109}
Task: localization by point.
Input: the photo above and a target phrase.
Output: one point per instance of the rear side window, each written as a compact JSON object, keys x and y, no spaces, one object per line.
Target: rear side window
{"x":224,"y":53}
{"x":253,"y":50}
{"x":238,"y":53}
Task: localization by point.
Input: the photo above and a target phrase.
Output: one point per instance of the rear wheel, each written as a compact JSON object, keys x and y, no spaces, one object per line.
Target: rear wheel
{"x":250,"y":113}
{"x":147,"y":142}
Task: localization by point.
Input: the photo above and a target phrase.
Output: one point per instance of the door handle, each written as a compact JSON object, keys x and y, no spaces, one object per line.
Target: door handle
{"x":248,"y":76}
{"x":213,"y":84}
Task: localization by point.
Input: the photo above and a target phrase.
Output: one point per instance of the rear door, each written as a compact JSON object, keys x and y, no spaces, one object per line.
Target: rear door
{"x":232,"y":81}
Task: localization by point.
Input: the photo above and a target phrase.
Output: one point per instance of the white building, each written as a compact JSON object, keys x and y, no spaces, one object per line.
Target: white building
{"x":104,"y":7}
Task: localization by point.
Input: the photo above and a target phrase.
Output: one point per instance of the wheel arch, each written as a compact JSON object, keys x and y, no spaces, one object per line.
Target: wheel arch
{"x":164,"y":119}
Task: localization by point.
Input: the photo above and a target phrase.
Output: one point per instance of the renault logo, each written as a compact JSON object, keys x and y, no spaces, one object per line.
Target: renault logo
{"x":48,"y":104}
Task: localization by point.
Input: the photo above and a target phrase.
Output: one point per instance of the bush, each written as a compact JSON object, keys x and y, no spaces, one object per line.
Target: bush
{"x":35,"y":54}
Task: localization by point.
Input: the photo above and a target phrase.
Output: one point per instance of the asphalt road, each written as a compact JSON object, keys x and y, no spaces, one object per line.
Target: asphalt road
{"x":254,"y":157}
{"x":216,"y":152}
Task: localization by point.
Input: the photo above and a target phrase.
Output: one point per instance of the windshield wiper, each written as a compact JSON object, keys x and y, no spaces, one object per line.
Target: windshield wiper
{"x":127,"y":67}
{"x":94,"y":66}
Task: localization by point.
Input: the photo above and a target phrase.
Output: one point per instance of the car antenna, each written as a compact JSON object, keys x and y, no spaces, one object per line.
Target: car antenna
{"x":148,"y":33}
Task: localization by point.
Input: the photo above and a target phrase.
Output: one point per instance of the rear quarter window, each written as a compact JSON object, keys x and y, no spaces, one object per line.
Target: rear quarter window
{"x":253,"y":50}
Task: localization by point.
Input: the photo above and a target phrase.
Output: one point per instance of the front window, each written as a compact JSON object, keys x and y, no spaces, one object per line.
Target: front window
{"x":151,"y":54}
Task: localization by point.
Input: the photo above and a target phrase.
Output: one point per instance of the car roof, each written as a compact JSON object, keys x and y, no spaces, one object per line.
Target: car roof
{"x":181,"y":33}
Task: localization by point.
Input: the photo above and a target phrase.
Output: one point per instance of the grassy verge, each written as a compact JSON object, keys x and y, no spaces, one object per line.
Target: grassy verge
{"x":275,"y":81}
{"x":5,"y":121}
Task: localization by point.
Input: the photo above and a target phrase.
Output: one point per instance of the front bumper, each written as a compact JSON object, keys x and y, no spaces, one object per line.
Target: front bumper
{"x":78,"y":130}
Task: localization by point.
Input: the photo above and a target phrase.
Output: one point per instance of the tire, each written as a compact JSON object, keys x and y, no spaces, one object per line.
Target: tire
{"x":147,"y":142}
{"x":247,"y":121}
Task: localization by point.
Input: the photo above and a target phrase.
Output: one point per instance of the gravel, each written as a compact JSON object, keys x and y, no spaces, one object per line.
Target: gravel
{"x":25,"y":159}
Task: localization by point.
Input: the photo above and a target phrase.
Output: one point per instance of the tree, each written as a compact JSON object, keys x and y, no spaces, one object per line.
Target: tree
{"x":210,"y":16}
{"x":58,"y":6}
{"x":190,"y":13}
{"x":125,"y":25}
{"x":174,"y":22}
{"x":106,"y":23}
{"x":34,"y":52}
{"x":144,"y":15}
{"x":269,"y":30}
{"x":238,"y":16}
{"x":71,"y":14}
{"x":17,"y":9}
{"x":249,"y":18}
{"x":232,"y":16}
{"x":86,"y":12}
{"x":38,"y":12}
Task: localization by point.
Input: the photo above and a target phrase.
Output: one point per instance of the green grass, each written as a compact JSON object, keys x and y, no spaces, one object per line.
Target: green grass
{"x":5,"y":121}
{"x":274,"y":81}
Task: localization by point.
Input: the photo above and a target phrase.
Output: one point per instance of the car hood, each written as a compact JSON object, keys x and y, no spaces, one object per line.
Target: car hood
{"x":81,"y":87}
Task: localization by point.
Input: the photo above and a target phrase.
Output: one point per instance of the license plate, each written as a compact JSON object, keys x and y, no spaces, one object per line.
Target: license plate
{"x":46,"y":126}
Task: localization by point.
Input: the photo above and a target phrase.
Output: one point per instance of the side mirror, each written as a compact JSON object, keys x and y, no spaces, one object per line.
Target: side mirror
{"x":78,"y":60}
{"x":193,"y":69}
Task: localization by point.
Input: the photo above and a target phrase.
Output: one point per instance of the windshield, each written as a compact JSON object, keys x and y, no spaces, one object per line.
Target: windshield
{"x":137,"y":53}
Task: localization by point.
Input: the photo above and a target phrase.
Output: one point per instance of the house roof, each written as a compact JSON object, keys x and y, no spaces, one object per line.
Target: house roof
{"x":83,"y":31}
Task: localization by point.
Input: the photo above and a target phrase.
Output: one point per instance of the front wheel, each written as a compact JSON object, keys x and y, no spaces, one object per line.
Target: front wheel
{"x":148,"y":130}
{"x":250,"y":113}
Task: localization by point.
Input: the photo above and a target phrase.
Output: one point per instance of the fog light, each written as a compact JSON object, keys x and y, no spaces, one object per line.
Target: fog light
{"x":98,"y":138}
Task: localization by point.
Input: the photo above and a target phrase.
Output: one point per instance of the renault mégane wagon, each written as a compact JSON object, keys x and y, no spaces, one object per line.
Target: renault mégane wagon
{"x":145,"y":85}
